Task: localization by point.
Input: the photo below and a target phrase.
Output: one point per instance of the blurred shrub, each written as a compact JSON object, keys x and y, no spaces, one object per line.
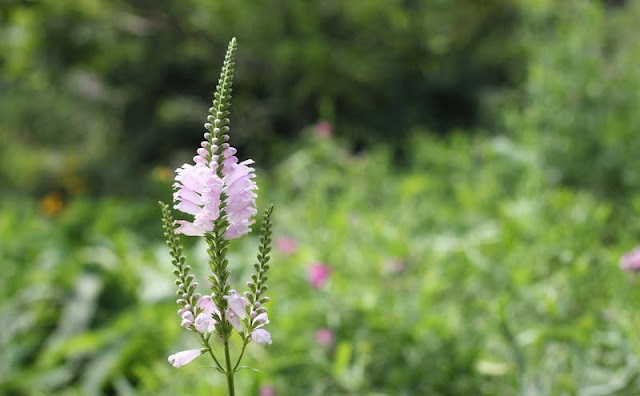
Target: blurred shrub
{"x":128,"y":82}
{"x":466,"y":273}
{"x":582,"y":93}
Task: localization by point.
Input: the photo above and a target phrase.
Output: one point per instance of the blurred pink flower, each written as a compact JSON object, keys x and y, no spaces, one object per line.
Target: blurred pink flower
{"x":318,"y":274}
{"x":395,"y":265}
{"x":631,"y":260}
{"x":286,"y":245}
{"x":323,"y":130}
{"x":324,"y":337}
{"x":267,"y":390}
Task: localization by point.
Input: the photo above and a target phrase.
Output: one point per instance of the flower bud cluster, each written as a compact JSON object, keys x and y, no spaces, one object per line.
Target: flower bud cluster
{"x":187,"y":296}
{"x":258,"y":285}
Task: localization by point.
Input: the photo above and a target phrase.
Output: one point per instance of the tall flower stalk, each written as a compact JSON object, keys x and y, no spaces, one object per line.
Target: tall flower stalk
{"x":219,"y":192}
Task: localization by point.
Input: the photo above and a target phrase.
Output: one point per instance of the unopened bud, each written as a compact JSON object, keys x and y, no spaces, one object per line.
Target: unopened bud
{"x":207,"y":136}
{"x":208,"y":126}
{"x":216,"y":131}
{"x":210,"y":118}
{"x":205,"y":144}
{"x":225,"y":137}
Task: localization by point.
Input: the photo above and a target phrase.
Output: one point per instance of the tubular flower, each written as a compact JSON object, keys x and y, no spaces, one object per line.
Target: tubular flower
{"x":185,"y":357}
{"x":204,"y":322}
{"x":237,"y":309}
{"x":261,"y":336}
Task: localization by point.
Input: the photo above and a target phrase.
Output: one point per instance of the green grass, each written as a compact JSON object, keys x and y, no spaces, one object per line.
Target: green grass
{"x":465,"y":272}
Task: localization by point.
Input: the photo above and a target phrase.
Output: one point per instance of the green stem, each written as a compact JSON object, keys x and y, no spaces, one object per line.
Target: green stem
{"x":229,"y":371}
{"x":244,"y":346}
{"x":205,"y":342}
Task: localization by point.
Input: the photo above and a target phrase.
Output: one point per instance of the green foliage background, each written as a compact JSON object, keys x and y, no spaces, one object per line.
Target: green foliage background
{"x":473,"y":201}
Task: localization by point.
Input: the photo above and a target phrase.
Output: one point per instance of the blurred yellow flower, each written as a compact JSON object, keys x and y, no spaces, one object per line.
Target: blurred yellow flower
{"x":162,"y":174}
{"x":51,"y":204}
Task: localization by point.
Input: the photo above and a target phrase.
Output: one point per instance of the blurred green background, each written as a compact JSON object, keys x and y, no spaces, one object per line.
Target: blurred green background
{"x":468,"y":170}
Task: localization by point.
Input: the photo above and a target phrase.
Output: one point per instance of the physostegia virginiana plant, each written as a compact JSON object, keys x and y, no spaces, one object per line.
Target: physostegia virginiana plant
{"x":219,"y":192}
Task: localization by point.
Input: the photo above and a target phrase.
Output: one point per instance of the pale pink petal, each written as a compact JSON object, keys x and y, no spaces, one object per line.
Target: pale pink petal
{"x":234,"y":320}
{"x":237,"y":303}
{"x":187,"y":228}
{"x":207,"y":305}
{"x":185,"y":357}
{"x":260,"y":320}
{"x":187,"y":207}
{"x":204,"y":323}
{"x":261,"y":336}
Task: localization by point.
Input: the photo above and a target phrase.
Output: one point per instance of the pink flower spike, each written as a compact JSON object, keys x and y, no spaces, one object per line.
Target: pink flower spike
{"x":185,"y":357}
{"x":631,"y":260}
{"x":324,"y":337}
{"x":318,"y":274}
{"x":261,"y":336}
{"x":286,"y":245}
